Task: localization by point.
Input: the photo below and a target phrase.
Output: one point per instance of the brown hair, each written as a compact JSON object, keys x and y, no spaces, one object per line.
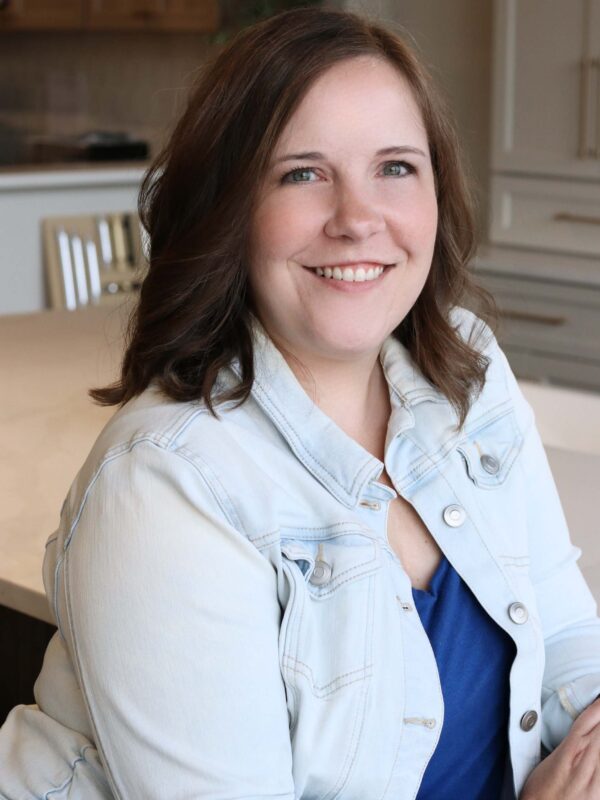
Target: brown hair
{"x":196,"y":202}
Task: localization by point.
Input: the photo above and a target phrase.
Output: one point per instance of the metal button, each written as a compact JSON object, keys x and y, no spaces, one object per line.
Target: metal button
{"x":518,"y":613}
{"x":322,"y":570}
{"x":490,"y":464}
{"x":428,"y":722}
{"x":528,"y":720}
{"x":454,"y":516}
{"x":372,"y":505}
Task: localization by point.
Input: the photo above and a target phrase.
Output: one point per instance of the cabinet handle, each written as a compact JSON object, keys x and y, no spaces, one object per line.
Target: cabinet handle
{"x":584,"y":105}
{"x":526,"y":316}
{"x":596,"y":64}
{"x":565,"y":216}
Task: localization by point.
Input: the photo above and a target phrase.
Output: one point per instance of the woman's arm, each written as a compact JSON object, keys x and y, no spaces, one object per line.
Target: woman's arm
{"x":172,"y":620}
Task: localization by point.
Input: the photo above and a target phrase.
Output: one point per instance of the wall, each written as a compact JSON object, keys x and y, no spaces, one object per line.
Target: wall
{"x":69,"y":83}
{"x":455,"y":38}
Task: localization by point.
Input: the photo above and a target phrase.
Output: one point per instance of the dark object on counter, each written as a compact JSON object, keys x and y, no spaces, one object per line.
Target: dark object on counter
{"x":91,"y":146}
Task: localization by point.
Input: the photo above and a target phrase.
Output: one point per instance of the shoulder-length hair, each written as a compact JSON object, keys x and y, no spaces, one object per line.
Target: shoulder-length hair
{"x":196,"y":203}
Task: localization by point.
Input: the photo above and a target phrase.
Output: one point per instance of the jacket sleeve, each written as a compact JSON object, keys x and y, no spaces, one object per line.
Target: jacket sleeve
{"x":172,"y":620}
{"x":567,"y":608}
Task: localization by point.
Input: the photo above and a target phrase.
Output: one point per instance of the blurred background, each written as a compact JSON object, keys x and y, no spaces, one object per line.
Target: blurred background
{"x":89,"y":90}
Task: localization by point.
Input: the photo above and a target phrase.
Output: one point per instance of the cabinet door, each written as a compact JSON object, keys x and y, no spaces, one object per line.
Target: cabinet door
{"x":31,"y":15}
{"x":156,"y":15}
{"x":539,"y":104}
{"x":593,"y":88}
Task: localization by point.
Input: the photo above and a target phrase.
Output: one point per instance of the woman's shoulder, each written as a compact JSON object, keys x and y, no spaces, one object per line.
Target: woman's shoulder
{"x":155,"y":434}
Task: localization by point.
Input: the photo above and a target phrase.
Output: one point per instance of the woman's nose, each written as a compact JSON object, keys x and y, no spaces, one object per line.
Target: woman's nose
{"x":354,"y":215}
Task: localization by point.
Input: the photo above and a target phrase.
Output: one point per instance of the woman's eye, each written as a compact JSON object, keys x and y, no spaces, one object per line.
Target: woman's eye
{"x":298,"y":175}
{"x":398,"y":169}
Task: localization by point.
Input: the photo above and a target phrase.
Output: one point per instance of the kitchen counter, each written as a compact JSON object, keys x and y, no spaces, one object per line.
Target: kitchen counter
{"x":48,"y":361}
{"x":75,"y":174}
{"x":47,"y":424}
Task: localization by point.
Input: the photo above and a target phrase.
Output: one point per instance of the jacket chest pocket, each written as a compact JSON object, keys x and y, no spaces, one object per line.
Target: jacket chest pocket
{"x":489,"y":483}
{"x":327,"y":626}
{"x":490,"y":450}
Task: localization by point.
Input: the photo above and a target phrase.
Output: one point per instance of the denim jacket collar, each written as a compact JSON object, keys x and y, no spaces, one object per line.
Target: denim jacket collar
{"x":342,"y":465}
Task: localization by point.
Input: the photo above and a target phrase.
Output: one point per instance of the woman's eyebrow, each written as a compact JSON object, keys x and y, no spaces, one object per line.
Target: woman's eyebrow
{"x":386,"y":151}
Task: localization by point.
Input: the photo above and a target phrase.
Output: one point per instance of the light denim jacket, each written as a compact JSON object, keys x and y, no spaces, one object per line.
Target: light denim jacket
{"x":234,"y":624}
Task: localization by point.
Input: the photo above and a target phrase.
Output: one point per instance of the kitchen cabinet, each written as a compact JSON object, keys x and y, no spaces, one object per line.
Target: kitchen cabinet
{"x":546,"y":71}
{"x":542,"y":263}
{"x":110,"y":15}
{"x":549,"y":314}
{"x":545,"y":182}
{"x":30,"y":15}
{"x":155,"y":15}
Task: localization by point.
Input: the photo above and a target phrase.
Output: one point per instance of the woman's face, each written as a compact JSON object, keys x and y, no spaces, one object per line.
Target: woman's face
{"x":349,"y":194}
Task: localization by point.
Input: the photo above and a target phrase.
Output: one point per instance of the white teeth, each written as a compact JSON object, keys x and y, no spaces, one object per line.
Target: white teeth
{"x":349,"y":274}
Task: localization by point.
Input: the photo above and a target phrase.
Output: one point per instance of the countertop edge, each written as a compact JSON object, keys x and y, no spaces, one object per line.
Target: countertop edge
{"x":25,"y":600}
{"x":51,"y":179}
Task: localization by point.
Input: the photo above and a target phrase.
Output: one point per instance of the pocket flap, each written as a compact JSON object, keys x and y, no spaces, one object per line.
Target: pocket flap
{"x":490,"y":450}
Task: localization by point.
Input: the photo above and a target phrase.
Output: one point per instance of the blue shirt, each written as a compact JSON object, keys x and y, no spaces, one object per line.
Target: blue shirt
{"x":474,"y":656}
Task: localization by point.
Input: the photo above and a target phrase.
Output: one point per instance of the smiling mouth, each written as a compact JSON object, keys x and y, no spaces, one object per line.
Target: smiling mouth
{"x":355,"y":274}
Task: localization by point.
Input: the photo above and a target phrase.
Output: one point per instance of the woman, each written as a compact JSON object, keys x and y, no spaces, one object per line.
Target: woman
{"x":318,"y":552}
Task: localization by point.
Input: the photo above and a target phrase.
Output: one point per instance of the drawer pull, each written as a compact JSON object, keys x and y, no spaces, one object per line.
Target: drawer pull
{"x":565,"y":216}
{"x":584,"y":106}
{"x":596,"y":63}
{"x":526,"y":316}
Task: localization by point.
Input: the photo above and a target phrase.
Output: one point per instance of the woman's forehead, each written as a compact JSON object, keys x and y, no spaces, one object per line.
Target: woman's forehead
{"x":356,"y":101}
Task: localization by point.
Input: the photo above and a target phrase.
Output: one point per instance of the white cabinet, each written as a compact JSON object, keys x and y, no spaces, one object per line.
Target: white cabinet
{"x":545,"y":182}
{"x":543,"y":266}
{"x":546,"y":88}
{"x":549,"y":314}
{"x":551,"y":215}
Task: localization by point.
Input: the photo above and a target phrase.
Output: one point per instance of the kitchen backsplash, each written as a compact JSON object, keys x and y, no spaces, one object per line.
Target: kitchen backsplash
{"x":61,"y":83}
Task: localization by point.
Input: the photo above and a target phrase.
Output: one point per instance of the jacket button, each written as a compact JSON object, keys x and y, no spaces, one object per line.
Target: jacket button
{"x":528,"y":720}
{"x":490,"y":464}
{"x":454,"y":516}
{"x":320,"y":574}
{"x":518,"y":613}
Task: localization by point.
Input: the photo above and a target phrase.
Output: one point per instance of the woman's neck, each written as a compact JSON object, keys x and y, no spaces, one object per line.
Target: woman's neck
{"x":354,"y":394}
